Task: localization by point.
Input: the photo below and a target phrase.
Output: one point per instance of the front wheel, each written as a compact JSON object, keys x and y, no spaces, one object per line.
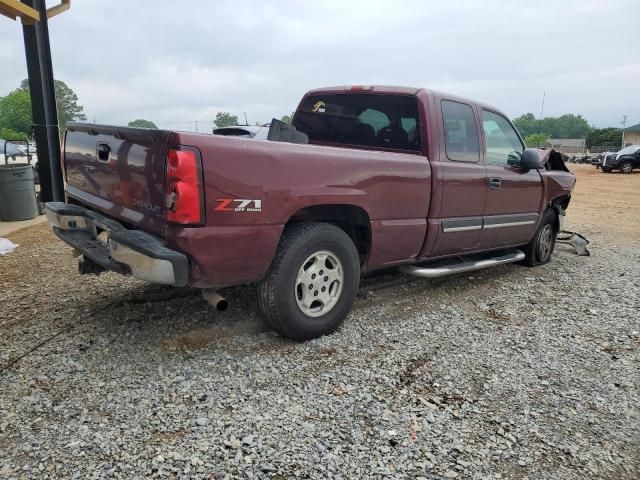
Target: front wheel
{"x":312,"y":282}
{"x":538,"y":251}
{"x":606,"y":169}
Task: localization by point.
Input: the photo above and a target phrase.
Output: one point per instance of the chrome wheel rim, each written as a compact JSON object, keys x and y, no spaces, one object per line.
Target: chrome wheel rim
{"x":626,"y":167}
{"x":545,"y":242}
{"x":319,"y":283}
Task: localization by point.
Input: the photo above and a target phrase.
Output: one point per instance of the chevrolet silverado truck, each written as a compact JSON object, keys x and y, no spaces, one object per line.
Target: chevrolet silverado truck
{"x":383,"y":177}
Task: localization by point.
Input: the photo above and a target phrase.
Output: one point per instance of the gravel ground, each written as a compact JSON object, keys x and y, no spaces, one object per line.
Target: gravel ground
{"x":508,"y":373}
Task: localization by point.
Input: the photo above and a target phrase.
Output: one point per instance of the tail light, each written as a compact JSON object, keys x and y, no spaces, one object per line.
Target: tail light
{"x":184,"y":188}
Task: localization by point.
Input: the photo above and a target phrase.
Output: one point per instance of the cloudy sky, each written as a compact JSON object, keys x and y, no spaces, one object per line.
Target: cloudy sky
{"x":180,"y":62}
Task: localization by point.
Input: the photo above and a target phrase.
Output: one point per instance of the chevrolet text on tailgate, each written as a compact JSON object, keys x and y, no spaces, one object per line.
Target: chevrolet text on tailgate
{"x":365,"y":178}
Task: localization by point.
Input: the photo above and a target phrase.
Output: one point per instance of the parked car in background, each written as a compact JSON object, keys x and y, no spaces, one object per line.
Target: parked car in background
{"x":13,"y":152}
{"x":596,"y":159}
{"x":258,"y":132}
{"x":625,"y":160}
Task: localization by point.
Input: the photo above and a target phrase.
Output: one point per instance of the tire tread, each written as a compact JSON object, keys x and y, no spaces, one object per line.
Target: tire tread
{"x":293,"y":235}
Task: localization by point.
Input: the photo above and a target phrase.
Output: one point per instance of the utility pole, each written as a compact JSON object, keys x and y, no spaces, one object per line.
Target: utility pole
{"x":544,"y":94}
{"x":246,"y":122}
{"x":624,"y":124}
{"x":196,"y":122}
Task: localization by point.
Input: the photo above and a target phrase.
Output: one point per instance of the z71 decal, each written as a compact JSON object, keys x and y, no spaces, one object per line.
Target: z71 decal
{"x":238,"y":205}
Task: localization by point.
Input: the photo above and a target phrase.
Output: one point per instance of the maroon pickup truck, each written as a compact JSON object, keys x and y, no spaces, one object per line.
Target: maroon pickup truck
{"x":365,"y":178}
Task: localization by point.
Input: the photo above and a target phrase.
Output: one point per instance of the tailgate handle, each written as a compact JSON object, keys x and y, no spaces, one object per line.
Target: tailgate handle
{"x":103,"y":151}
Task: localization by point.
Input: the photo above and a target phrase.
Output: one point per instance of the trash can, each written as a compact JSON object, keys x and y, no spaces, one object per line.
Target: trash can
{"x":17,"y":192}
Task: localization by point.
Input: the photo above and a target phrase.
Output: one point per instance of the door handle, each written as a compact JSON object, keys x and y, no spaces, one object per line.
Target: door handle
{"x":495,"y":183}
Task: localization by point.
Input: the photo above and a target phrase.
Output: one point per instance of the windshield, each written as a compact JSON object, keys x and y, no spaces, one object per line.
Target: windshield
{"x":629,"y":149}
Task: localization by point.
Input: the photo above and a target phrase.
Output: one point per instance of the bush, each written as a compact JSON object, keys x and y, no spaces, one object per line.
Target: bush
{"x":9,"y":134}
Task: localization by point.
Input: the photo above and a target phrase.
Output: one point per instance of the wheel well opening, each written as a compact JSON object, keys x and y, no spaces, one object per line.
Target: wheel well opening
{"x":562,"y":202}
{"x":353,"y":220}
{"x":559,"y":205}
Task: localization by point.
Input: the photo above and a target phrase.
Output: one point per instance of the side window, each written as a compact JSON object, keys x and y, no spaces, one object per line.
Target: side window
{"x":460,"y":132}
{"x":502,"y":145}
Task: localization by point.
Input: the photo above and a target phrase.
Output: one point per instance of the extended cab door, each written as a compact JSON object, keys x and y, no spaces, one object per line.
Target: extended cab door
{"x":460,"y":178}
{"x":514,"y":194}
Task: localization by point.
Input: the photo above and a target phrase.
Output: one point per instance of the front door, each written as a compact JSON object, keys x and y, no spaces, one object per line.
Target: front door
{"x":514,"y":194}
{"x":462,"y":180}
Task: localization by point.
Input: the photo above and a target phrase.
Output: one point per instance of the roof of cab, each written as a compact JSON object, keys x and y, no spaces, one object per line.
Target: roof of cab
{"x":366,"y":88}
{"x":388,"y":89}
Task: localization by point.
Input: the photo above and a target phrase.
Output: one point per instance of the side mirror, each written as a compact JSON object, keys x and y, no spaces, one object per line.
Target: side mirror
{"x":532,"y":160}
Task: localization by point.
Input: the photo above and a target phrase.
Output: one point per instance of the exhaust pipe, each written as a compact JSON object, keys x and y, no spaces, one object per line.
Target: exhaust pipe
{"x":215,"y":299}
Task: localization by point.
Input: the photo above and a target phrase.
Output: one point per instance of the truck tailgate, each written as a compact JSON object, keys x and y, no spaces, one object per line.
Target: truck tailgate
{"x":119,"y":171}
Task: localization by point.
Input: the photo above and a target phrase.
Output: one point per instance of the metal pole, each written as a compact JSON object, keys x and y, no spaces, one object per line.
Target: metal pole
{"x":43,"y":104}
{"x":544,"y":94}
{"x":624,"y":124}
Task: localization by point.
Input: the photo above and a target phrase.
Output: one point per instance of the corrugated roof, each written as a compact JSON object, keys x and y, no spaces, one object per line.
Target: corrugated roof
{"x":633,"y":128}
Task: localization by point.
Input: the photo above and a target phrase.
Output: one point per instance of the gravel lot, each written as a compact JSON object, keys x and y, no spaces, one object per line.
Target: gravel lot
{"x":508,"y":373}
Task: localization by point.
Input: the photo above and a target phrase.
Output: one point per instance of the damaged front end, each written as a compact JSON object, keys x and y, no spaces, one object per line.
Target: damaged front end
{"x":559,"y":187}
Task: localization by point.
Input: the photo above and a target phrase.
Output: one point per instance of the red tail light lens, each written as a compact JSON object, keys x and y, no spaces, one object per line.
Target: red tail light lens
{"x":185,"y":202}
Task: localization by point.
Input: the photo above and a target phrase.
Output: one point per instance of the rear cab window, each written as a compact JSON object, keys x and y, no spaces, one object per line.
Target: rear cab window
{"x":361,"y":119}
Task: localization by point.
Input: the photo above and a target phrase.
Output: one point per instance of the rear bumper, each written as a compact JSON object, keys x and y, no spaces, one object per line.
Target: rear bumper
{"x":128,"y":252}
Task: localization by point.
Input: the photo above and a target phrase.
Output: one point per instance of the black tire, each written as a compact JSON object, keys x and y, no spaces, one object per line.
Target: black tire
{"x":539,"y":250}
{"x":626,"y":167}
{"x":279,"y":294}
{"x":606,"y":169}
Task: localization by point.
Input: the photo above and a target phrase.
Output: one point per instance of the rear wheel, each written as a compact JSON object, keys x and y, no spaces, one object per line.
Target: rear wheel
{"x":312,"y":282}
{"x":538,"y":251}
{"x":626,"y":167}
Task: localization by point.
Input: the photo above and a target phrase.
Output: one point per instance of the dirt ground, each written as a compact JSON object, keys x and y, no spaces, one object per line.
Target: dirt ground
{"x":606,"y":203}
{"x":510,"y":373}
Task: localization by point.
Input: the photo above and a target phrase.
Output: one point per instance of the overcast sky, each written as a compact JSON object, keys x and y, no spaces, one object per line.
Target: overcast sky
{"x":176,"y":62}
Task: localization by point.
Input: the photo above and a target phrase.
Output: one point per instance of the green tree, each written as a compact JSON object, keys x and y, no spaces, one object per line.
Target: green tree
{"x":66,"y":100}
{"x":287,"y":118}
{"x":9,"y":134}
{"x":527,"y":124}
{"x":537,"y":140}
{"x":142,"y":123}
{"x":604,"y":137}
{"x":565,"y":126}
{"x":15,"y":112}
{"x":225,"y":119}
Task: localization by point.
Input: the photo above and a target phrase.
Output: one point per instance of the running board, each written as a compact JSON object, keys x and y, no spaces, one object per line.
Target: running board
{"x":468,"y":266}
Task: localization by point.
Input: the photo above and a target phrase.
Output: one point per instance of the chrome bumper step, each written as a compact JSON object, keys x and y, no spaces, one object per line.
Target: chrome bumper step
{"x":509,"y":256}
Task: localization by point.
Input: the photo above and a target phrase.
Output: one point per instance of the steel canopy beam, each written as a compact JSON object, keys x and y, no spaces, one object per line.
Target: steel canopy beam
{"x":34,"y":15}
{"x":43,"y":105}
{"x":63,"y":7}
{"x":15,"y":9}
